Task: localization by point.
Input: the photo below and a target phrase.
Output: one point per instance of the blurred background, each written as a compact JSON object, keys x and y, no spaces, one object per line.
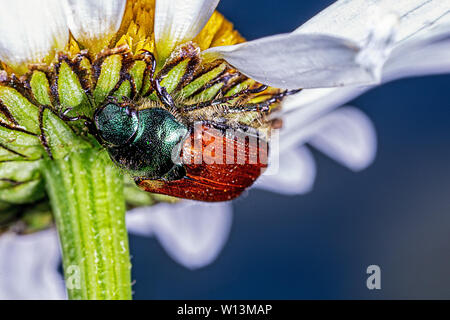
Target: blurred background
{"x":395,"y":214}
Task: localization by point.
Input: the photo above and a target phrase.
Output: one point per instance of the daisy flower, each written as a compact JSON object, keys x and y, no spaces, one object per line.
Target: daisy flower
{"x":71,"y":68}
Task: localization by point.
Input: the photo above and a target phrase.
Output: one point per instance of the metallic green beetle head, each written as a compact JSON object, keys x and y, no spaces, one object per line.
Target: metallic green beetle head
{"x":116,"y":126}
{"x":143,"y":142}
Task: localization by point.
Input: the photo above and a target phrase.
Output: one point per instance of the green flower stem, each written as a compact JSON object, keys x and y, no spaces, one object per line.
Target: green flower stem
{"x":87,"y":198}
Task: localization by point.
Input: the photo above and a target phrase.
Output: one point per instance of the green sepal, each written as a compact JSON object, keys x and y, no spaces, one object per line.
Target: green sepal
{"x":173,"y":78}
{"x":137,"y":74}
{"x":170,"y":82}
{"x":16,"y":144}
{"x":146,"y":85}
{"x":61,"y":139}
{"x":123,"y":91}
{"x":40,"y":88}
{"x":86,"y":67}
{"x":209,"y":93}
{"x":109,"y":77}
{"x":202,"y":80}
{"x":26,"y":192}
{"x":239,"y":87}
{"x":21,"y":182}
{"x":71,"y":93}
{"x":18,"y":171}
{"x":24,"y":112}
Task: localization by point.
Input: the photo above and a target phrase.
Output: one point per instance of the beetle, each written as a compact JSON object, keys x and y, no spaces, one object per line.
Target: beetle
{"x":177,"y":148}
{"x":162,"y":152}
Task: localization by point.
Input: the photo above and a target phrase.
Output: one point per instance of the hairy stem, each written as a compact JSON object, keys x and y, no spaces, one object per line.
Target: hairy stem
{"x":87,"y":198}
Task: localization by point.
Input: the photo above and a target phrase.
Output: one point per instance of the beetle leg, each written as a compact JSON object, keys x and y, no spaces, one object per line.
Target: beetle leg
{"x":87,"y":121}
{"x":149,"y":59}
{"x":65,"y":112}
{"x":164,"y":96}
{"x":223,"y":100}
{"x":264,"y":105}
{"x":150,"y":68}
{"x":63,"y":116}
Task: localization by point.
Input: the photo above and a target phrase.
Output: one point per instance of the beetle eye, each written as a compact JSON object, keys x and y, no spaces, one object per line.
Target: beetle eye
{"x":116,"y":125}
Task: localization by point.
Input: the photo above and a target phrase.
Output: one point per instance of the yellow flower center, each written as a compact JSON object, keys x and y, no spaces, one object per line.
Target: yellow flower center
{"x":137,"y":30}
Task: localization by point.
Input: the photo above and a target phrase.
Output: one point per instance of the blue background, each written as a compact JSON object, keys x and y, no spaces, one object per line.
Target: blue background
{"x":395,"y":214}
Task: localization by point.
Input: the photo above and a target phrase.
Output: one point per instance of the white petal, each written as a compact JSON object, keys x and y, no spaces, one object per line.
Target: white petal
{"x":424,"y":54}
{"x":295,"y":175}
{"x":308,"y":106}
{"x":292,"y":61}
{"x":179,"y":21}
{"x":31,"y":31}
{"x":379,"y":45}
{"x":347,"y":136}
{"x":355,"y":19}
{"x":192,"y":233}
{"x":29,"y":267}
{"x":94,"y":22}
{"x":427,"y":53}
{"x":361,"y":36}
